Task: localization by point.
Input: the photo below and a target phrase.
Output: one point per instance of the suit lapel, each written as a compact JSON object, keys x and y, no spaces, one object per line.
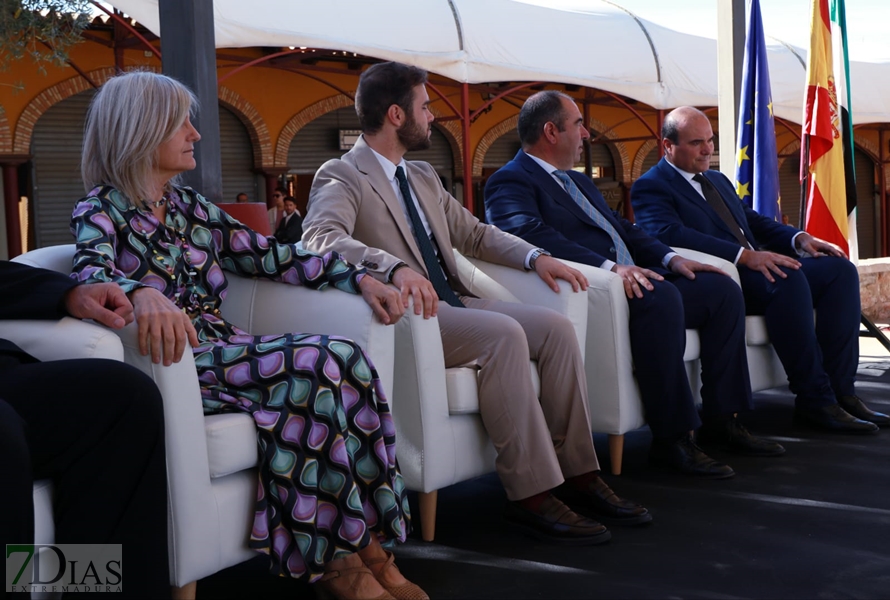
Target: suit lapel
{"x":365,"y":161}
{"x":428,"y":200}
{"x":680,"y":183}
{"x":553,"y":189}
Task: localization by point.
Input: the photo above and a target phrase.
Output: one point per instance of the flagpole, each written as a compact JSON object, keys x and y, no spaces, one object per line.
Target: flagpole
{"x":804,"y":183}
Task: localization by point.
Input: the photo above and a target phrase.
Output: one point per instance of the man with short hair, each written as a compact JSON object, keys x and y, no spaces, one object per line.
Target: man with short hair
{"x":290,"y":228}
{"x":242,"y":197}
{"x":394,"y":218}
{"x":785,"y":272}
{"x":538,"y":197}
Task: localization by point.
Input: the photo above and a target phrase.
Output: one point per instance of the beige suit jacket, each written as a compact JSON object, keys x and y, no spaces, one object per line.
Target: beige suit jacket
{"x":353,"y":209}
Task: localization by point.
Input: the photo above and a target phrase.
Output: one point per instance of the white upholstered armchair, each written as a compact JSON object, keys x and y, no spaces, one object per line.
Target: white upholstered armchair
{"x":211,"y":460}
{"x":441,"y":440}
{"x":615,"y":405}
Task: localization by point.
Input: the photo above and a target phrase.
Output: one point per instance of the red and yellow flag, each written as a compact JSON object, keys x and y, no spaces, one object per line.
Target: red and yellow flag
{"x":827,"y":129}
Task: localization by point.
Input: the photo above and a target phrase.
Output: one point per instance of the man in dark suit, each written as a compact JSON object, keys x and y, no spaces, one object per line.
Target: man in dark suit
{"x":393,"y":217}
{"x":94,"y":426}
{"x":785,"y":272}
{"x":538,"y":197}
{"x":290,"y":228}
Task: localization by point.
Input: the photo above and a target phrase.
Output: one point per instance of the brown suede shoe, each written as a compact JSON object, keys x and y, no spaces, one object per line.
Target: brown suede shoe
{"x":325,"y":591}
{"x":404,"y":591}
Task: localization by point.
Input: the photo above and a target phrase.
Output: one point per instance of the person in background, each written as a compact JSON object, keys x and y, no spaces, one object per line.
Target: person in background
{"x":290,"y":228}
{"x":242,"y":197}
{"x":276,"y":211}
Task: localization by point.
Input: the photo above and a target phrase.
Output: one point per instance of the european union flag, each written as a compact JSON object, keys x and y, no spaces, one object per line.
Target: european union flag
{"x":757,"y":171}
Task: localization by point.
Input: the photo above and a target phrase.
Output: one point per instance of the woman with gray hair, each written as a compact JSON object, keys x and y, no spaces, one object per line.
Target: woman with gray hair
{"x":329,"y":487}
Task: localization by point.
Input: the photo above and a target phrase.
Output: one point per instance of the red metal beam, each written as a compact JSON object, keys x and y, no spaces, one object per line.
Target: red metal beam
{"x":128,"y":27}
{"x":257,"y":61}
{"x":446,"y":100}
{"x":468,"y":160}
{"x":636,"y":113}
{"x":507,"y":92}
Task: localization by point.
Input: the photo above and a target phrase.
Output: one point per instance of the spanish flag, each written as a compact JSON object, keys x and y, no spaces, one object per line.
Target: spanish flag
{"x":827,"y":159}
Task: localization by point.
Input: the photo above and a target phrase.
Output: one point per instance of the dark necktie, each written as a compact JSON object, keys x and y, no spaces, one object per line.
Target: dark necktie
{"x":433,"y":268}
{"x":715,"y":200}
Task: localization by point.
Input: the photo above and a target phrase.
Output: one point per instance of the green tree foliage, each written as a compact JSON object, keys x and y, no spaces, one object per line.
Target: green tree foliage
{"x":42,"y":30}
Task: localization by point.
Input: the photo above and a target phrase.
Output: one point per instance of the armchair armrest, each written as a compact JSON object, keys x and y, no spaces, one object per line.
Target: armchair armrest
{"x":527,"y":287}
{"x":613,"y":391}
{"x":267,"y":307}
{"x":709,"y":259}
{"x":62,"y":339}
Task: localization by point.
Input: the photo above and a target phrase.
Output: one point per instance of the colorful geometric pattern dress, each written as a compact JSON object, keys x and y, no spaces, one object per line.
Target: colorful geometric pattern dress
{"x":328,"y":478}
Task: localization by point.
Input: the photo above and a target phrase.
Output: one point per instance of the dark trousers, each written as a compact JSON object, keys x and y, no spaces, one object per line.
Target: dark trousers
{"x":712,"y":304}
{"x":96,"y":428}
{"x":820,"y":359}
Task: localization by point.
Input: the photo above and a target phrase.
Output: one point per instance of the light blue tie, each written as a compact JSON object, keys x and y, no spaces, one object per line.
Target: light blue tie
{"x":621,"y":251}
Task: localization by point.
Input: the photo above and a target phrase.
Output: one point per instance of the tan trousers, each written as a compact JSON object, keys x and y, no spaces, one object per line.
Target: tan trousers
{"x":539,"y":443}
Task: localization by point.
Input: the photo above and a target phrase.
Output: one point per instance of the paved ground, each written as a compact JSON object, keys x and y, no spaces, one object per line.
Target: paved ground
{"x":812,"y":524}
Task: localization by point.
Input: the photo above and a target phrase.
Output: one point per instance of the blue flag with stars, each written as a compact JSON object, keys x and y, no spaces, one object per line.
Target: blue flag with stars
{"x":757,"y":165}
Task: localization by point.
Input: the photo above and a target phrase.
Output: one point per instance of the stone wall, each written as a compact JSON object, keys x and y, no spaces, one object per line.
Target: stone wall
{"x":874,"y":288}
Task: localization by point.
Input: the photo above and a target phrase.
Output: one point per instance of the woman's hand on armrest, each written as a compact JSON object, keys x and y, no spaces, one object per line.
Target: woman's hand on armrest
{"x":163,"y":328}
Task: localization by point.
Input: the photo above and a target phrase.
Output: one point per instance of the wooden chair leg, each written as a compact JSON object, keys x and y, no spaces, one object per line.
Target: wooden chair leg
{"x":616,"y":452}
{"x":186,"y":592}
{"x":428,"y":514}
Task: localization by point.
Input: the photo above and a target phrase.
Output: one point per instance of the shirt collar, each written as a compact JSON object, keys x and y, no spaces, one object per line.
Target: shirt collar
{"x":543,"y":163}
{"x":686,"y":174}
{"x":389,"y":169}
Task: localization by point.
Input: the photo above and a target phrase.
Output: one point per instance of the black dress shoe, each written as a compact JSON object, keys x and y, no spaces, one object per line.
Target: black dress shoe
{"x":556,"y":522}
{"x":685,"y":456}
{"x":856,"y":407}
{"x":603,"y":503}
{"x":731,"y":434}
{"x":834,"y":418}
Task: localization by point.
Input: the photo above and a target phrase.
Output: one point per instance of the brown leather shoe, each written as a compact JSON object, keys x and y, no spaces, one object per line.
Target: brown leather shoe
{"x":404,"y":591}
{"x":603,"y":503}
{"x":856,"y":407}
{"x":556,"y":522}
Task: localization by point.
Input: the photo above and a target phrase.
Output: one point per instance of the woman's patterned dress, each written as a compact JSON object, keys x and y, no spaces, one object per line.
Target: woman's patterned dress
{"x":327,"y":476}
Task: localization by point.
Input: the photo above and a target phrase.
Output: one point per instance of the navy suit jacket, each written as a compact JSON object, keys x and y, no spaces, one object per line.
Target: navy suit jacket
{"x":667,"y":206}
{"x":523,"y":199}
{"x":29,"y":293}
{"x":291,"y":232}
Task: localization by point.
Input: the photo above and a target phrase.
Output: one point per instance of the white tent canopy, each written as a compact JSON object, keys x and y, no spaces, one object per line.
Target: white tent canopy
{"x":600,"y":44}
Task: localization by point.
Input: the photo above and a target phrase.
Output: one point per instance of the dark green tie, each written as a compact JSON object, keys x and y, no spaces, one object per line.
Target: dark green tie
{"x":433,"y":268}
